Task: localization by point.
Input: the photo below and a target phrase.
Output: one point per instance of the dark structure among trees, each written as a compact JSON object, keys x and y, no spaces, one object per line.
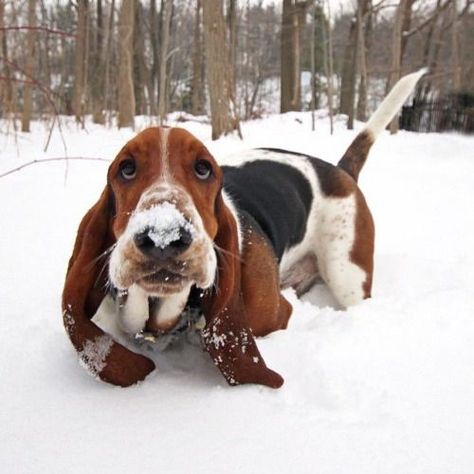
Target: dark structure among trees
{"x":441,"y":114}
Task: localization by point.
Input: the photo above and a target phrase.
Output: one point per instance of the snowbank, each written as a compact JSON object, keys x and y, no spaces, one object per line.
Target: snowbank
{"x":385,"y":387}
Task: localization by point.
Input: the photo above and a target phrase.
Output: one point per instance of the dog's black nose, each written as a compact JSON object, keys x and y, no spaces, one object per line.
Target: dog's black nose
{"x":162,"y":246}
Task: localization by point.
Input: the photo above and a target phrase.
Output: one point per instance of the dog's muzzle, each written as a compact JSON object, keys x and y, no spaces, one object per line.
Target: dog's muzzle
{"x":161,"y":232}
{"x":146,"y":243}
{"x":164,"y":247}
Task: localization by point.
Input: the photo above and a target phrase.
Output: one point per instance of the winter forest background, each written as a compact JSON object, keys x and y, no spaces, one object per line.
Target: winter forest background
{"x":228,"y":59}
{"x":384,"y":387}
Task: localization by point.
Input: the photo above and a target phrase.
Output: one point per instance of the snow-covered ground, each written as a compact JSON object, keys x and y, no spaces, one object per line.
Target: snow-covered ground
{"x":385,"y":387}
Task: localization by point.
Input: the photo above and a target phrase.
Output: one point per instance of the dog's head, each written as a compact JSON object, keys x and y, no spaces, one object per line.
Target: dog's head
{"x":165,"y":185}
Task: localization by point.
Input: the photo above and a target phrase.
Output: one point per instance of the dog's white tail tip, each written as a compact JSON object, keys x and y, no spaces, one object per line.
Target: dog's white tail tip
{"x":393,"y":102}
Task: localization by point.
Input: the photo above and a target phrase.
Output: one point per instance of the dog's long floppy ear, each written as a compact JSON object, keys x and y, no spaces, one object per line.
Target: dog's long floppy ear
{"x":227,"y":336}
{"x":84,"y":289}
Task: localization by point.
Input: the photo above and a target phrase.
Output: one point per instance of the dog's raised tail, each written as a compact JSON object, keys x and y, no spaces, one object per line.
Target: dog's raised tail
{"x":355,"y":156}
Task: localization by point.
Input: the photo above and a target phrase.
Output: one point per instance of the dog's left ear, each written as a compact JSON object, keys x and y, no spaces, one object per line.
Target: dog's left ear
{"x":227,"y":336}
{"x":84,"y":289}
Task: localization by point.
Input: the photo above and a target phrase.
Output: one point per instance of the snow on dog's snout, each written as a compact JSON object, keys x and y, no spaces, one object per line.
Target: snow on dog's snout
{"x":164,"y":223}
{"x":165,"y":214}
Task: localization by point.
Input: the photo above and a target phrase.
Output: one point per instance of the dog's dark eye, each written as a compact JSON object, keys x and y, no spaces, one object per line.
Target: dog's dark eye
{"x":203,"y":169}
{"x":128,"y":169}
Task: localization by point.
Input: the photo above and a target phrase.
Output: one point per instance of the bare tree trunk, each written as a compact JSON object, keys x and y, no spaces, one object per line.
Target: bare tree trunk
{"x":164,"y":43}
{"x":246,"y":63}
{"x":354,"y":60}
{"x":330,"y":56}
{"x":467,"y":70}
{"x":232,"y":28}
{"x":364,"y":21}
{"x":253,"y":99}
{"x":287,"y":67}
{"x":65,"y":106}
{"x":406,"y":25}
{"x":395,"y":71}
{"x":429,"y":35}
{"x":219,"y":72}
{"x":292,"y":26}
{"x":87,"y":59}
{"x":30,"y":47}
{"x":299,"y":27}
{"x":424,"y":88}
{"x":197,"y":86}
{"x":437,"y":45}
{"x":154,"y":52}
{"x":10,"y":87}
{"x":107,"y":58}
{"x":352,"y":77}
{"x":145,"y":72}
{"x":137,"y":70}
{"x":312,"y":65}
{"x":79,"y":60}
{"x":455,"y":62}
{"x":44,"y":43}
{"x":142,"y":79}
{"x":169,"y":74}
{"x":328,"y":62}
{"x":125,"y":84}
{"x":346,"y":104}
{"x":97,"y":86}
{"x":6,"y":84}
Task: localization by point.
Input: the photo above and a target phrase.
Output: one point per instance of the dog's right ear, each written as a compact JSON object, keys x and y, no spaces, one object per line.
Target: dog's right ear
{"x":84,"y":289}
{"x":227,"y":336}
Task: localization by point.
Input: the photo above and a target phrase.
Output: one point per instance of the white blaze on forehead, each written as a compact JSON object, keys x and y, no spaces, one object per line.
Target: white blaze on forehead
{"x":165,"y":167}
{"x":164,"y":222}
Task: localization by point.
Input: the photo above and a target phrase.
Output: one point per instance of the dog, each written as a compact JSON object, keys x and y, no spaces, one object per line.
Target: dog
{"x":181,"y":235}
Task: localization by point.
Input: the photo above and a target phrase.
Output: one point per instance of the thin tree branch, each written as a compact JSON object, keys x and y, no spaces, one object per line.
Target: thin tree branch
{"x":14,"y":79}
{"x":38,"y":28}
{"x":460,"y":14}
{"x":381,"y":6}
{"x":47,"y":92}
{"x":425,"y":23}
{"x":47,"y":160}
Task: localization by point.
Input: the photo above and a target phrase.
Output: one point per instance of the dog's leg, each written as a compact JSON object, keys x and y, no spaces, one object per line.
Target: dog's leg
{"x":167,"y":311}
{"x":133,"y":314}
{"x":345,"y":248}
{"x":266,"y":308}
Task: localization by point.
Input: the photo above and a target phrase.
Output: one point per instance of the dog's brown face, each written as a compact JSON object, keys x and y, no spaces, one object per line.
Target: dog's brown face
{"x":165,"y":184}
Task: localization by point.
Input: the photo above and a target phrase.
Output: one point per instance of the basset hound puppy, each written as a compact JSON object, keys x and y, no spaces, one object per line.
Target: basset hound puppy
{"x":172,"y":230}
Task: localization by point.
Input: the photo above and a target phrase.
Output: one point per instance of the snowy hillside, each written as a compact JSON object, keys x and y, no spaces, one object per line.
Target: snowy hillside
{"x":385,"y":387}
